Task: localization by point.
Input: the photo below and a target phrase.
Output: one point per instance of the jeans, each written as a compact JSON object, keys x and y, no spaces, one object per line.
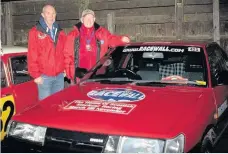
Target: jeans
{"x":50,"y":85}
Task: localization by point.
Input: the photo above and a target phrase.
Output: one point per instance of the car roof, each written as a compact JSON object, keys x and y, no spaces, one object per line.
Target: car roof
{"x":13,"y":49}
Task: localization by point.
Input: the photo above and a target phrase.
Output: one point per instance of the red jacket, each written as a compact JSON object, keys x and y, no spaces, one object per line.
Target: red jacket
{"x":44,"y":55}
{"x":87,"y":58}
{"x":74,"y":58}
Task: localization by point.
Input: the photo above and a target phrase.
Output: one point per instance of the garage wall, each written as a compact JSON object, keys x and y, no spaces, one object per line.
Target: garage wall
{"x":142,"y":20}
{"x":224,"y":23}
{"x":145,"y":20}
{"x":198,"y":19}
{"x":3,"y":34}
{"x":25,"y":14}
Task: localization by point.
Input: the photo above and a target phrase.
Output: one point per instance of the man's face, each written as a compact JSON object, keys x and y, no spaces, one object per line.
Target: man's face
{"x":88,"y":20}
{"x":49,"y":15}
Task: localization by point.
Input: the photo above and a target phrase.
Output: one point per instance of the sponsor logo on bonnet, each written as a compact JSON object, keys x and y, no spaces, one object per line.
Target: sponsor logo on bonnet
{"x":116,"y":95}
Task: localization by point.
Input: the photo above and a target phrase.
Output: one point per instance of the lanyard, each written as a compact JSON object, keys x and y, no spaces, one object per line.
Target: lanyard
{"x":88,"y":39}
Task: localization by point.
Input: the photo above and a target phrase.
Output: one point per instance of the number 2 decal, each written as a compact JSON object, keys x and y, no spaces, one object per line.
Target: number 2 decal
{"x":7,"y":107}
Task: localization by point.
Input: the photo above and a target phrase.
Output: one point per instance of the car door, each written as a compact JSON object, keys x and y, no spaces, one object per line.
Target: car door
{"x":7,"y":103}
{"x":218,"y":63}
{"x":24,"y":88}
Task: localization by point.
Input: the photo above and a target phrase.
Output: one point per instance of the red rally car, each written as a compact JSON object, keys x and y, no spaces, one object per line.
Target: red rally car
{"x":142,"y":97}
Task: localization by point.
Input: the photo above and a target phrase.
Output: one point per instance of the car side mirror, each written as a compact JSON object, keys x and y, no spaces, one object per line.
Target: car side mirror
{"x":224,"y":77}
{"x":80,"y":72}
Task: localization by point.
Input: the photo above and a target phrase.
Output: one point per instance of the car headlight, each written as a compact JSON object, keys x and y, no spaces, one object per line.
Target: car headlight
{"x":118,"y":144}
{"x":27,"y":132}
{"x":175,"y":145}
{"x":133,"y":145}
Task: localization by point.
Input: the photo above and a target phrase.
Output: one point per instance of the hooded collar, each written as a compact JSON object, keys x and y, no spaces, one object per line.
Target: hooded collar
{"x":44,"y":28}
{"x":44,"y":25}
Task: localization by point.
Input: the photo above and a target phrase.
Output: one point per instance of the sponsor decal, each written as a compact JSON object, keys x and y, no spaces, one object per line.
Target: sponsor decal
{"x":116,"y":95}
{"x":193,"y":49}
{"x":41,"y":36}
{"x":154,"y":48}
{"x":97,"y":140}
{"x":222,"y":108}
{"x":99,"y":106}
{"x":7,"y":108}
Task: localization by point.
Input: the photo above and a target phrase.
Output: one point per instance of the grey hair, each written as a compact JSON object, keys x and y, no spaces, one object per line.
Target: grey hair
{"x":48,"y":5}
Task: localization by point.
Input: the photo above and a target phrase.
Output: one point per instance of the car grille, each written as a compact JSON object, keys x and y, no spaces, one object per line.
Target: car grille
{"x":64,"y":141}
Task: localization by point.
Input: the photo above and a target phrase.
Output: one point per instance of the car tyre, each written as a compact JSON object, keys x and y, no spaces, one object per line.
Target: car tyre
{"x":206,"y":146}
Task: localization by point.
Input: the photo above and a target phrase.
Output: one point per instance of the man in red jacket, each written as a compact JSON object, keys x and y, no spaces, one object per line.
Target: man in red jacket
{"x":45,"y":53}
{"x":87,"y":43}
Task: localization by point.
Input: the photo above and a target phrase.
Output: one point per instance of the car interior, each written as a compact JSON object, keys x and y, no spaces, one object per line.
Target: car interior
{"x":20,"y":70}
{"x":194,"y":68}
{"x":189,"y":67}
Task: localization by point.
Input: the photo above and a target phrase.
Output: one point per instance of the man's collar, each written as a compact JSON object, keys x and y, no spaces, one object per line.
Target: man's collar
{"x":44,"y":25}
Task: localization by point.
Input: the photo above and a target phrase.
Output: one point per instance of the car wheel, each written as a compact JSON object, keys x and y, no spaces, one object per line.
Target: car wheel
{"x":206,"y":146}
{"x":207,"y":143}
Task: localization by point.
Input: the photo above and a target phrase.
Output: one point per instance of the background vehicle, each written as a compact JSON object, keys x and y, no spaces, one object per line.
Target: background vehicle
{"x":18,"y":91}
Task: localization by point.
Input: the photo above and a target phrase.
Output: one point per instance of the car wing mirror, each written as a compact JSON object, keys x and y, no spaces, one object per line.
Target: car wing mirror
{"x":80,"y":72}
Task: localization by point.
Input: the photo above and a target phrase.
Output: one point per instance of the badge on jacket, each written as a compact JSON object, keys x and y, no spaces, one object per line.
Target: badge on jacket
{"x":102,"y":41}
{"x":42,"y":36}
{"x":88,"y":47}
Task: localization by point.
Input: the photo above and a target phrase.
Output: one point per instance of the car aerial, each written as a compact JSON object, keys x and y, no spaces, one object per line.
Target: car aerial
{"x":18,"y":91}
{"x":149,"y":97}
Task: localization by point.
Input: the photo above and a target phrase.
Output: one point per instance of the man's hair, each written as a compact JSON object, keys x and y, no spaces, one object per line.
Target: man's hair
{"x":48,"y":5}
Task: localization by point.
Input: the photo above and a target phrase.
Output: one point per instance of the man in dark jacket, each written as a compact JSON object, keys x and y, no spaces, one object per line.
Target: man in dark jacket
{"x":45,"y":53}
{"x":87,"y":43}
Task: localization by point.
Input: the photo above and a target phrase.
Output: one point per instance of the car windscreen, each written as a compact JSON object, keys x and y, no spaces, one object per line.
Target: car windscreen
{"x":153,"y":64}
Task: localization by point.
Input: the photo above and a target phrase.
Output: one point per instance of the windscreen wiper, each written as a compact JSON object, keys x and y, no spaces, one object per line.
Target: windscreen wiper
{"x":164,"y":83}
{"x":149,"y":83}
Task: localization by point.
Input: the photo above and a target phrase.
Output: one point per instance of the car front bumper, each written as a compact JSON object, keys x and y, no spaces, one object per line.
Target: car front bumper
{"x":57,"y":141}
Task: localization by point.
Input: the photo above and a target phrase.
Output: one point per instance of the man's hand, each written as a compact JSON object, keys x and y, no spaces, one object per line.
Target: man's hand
{"x":125,"y":39}
{"x":38,"y":80}
{"x":64,"y":73}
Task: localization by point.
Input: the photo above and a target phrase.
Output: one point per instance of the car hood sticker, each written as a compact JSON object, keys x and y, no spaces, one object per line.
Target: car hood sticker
{"x":116,"y":95}
{"x":99,"y":106}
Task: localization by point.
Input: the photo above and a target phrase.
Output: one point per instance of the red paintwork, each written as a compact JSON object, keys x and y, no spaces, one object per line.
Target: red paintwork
{"x":25,"y":94}
{"x":165,"y":112}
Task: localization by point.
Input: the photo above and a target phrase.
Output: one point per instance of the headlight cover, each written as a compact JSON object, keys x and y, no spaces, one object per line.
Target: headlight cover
{"x":175,"y":145}
{"x":133,"y":145}
{"x":27,"y":132}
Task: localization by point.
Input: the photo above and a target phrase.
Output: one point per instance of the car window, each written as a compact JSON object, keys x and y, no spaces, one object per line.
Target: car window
{"x":222,"y":56}
{"x":19,"y":70}
{"x":217,"y":60}
{"x":3,"y":77}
